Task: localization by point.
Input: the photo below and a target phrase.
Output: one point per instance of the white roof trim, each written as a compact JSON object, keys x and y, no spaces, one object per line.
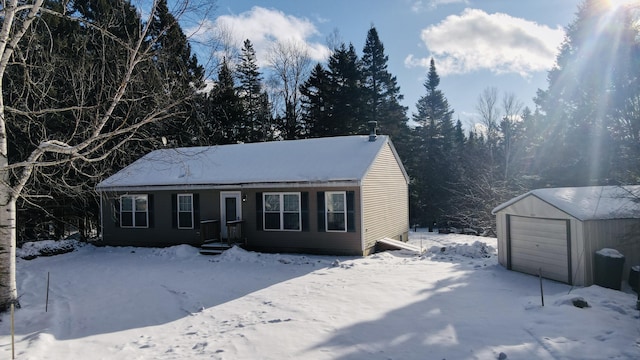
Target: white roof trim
{"x":278,"y":185}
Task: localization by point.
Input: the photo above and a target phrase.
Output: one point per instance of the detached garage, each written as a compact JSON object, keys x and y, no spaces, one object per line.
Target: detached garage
{"x":558,"y":230}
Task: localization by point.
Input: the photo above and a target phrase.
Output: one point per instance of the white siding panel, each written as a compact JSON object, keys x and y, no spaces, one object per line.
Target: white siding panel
{"x":539,"y":243}
{"x":385,"y":199}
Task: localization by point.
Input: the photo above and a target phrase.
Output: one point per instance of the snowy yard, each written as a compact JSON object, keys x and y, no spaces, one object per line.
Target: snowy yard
{"x":453,"y":302}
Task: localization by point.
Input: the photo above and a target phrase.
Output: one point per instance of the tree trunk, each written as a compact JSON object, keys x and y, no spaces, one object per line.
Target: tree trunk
{"x":8,"y":287}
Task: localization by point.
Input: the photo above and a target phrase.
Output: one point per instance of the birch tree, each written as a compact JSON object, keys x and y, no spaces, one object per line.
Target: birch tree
{"x":290,"y":65}
{"x":94,"y":131}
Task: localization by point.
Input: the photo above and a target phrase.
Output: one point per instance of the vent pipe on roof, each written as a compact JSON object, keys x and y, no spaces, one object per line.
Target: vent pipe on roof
{"x":372,"y":130}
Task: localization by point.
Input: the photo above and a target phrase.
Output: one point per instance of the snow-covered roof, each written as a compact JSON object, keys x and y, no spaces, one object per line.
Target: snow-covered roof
{"x":589,"y":202}
{"x":332,"y":159}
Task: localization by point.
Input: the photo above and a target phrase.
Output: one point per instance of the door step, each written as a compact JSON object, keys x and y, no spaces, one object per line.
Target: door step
{"x":214,"y":248}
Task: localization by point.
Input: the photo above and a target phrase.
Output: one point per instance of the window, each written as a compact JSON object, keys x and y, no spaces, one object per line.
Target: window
{"x":336,"y":208}
{"x":134,"y":211}
{"x":185,"y":211}
{"x":336,"y":211}
{"x":281,"y":211}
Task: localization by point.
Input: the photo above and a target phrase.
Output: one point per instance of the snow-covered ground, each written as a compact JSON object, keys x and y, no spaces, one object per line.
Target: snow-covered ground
{"x":452,"y":302}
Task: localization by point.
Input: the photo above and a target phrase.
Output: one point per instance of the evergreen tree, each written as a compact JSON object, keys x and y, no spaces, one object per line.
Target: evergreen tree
{"x":81,"y":83}
{"x":175,"y":62}
{"x":432,"y":162}
{"x":345,"y":93}
{"x":257,"y":115}
{"x":315,"y":104}
{"x":226,"y":114}
{"x":585,"y":113}
{"x":87,"y":66}
{"x":382,"y":93}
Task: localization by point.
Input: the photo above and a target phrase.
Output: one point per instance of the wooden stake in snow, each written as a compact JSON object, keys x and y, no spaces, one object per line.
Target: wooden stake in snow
{"x":13,"y":342}
{"x":541,"y":292}
{"x":46,"y":306}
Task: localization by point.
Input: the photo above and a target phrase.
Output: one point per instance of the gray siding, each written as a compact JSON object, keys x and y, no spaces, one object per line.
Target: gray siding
{"x":620,"y":234}
{"x":309,"y":241}
{"x":161,"y":231}
{"x":385,"y":199}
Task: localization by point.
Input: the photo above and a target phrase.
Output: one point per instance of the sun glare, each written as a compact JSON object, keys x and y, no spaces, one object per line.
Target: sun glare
{"x":618,"y":3}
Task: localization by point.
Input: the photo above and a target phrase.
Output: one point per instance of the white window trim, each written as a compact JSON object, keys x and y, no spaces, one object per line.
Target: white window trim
{"x":178,"y":211}
{"x":282,"y":212}
{"x":133,"y":211}
{"x":326,"y":210}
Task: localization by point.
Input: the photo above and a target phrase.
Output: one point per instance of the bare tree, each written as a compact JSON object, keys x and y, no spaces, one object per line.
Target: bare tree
{"x":487,"y":107}
{"x":512,"y":108}
{"x":95,"y":132}
{"x":291,"y":64}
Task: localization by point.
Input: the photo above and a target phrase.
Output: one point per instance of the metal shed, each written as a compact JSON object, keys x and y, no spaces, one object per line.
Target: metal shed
{"x":558,"y":230}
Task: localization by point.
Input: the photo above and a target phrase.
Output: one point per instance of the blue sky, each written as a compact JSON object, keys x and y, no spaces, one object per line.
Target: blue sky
{"x":507,"y":44}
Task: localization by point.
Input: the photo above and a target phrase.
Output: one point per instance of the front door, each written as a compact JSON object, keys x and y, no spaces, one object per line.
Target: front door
{"x":230,"y":209}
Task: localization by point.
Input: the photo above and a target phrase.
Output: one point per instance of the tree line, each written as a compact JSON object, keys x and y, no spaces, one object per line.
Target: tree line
{"x":88,"y":86}
{"x":583,"y":129}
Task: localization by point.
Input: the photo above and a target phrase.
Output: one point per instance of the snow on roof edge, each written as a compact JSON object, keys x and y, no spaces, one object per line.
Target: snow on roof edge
{"x":317,"y":160}
{"x":588,"y":202}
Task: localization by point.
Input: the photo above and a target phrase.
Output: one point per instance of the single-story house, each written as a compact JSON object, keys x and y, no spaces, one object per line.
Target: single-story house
{"x":558,"y":230}
{"x":335,"y":195}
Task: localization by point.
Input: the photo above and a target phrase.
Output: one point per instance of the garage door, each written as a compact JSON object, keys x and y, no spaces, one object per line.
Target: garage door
{"x":540,"y":244}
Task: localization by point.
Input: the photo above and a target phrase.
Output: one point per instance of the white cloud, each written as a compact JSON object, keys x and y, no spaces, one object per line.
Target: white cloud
{"x":264,"y":27}
{"x":475,"y":40}
{"x":421,"y":5}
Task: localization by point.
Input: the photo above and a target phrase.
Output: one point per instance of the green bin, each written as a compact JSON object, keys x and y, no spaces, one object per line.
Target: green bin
{"x":607,"y":268}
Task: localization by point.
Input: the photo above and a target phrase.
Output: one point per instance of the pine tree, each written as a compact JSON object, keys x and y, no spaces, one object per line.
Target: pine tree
{"x":585,"y":117}
{"x":382,"y":93}
{"x":174,"y":61}
{"x":432,"y":161}
{"x":257,"y":114}
{"x":77,"y":111}
{"x":226,"y":114}
{"x":315,"y":104}
{"x":345,"y":92}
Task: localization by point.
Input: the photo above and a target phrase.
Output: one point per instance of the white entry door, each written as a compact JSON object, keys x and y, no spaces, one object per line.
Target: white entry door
{"x":230,"y":209}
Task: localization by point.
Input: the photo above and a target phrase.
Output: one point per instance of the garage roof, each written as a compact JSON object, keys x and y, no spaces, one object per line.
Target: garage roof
{"x":589,"y":202}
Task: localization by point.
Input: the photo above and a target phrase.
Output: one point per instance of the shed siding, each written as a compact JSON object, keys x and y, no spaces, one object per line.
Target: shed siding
{"x":385,"y":200}
{"x":532,"y":206}
{"x":620,"y":234}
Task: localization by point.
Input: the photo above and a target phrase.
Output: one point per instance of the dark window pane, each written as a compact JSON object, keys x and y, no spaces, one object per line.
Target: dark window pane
{"x":126,"y":218}
{"x":272,"y":221}
{"x":335,"y":222}
{"x":126,"y":203}
{"x":185,"y":220}
{"x":141,"y":219}
{"x":230,"y":207}
{"x":292,"y":221}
